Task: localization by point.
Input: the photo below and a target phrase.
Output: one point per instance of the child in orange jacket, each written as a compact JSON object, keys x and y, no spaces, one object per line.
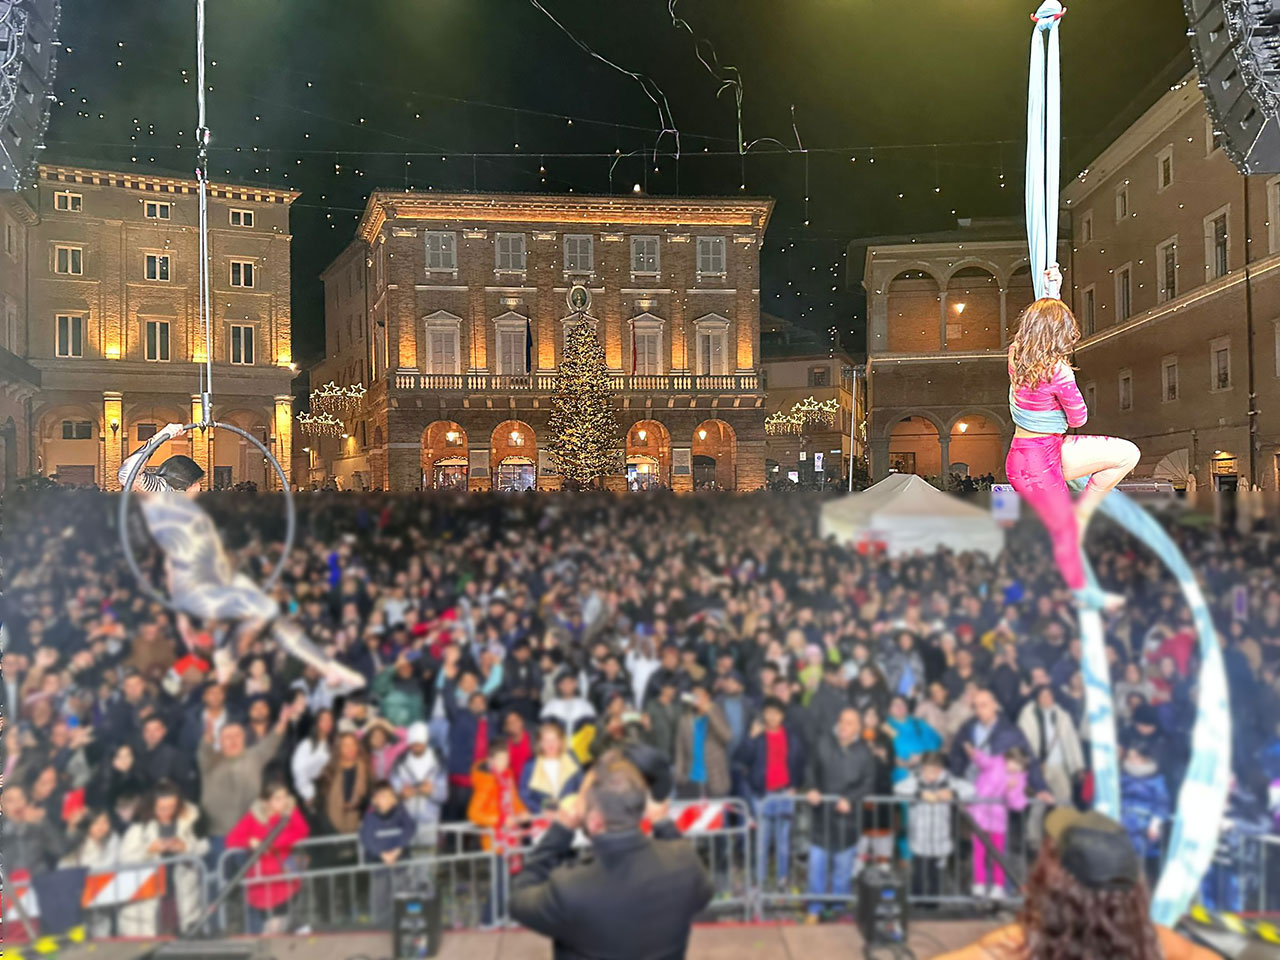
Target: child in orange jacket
{"x":495,"y":796}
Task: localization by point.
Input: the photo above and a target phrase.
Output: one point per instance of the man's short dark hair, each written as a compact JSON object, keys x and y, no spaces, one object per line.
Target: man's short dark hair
{"x":618,"y":790}
{"x":180,"y":472}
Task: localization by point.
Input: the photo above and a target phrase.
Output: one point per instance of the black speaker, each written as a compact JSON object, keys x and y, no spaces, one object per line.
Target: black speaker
{"x":882,"y":911}
{"x":416,"y":925}
{"x":28,"y":63}
{"x":1236,"y":47}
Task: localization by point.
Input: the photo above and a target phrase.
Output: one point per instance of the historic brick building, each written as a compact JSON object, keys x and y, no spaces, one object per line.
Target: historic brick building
{"x":19,"y":380}
{"x":1176,"y":258}
{"x":799,"y":365}
{"x":940,"y":310}
{"x":101,"y":318}
{"x":452,"y":309}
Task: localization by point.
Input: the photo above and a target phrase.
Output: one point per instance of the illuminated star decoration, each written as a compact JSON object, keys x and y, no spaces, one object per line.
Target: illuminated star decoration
{"x":320,"y":425}
{"x":803,"y":414}
{"x":336,"y":400}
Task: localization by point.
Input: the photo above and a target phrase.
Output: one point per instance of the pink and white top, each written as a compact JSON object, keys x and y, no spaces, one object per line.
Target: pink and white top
{"x":1058,"y":394}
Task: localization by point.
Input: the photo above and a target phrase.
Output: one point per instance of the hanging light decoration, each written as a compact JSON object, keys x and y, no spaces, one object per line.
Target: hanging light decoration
{"x":320,"y":425}
{"x":336,"y":400}
{"x":803,"y":414}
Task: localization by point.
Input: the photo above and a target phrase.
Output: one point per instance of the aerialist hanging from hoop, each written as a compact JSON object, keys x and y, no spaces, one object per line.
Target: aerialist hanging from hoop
{"x":1044,"y":402}
{"x":201,"y":581}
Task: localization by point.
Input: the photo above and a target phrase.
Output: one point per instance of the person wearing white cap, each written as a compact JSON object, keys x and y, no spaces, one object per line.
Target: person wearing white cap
{"x":419,"y":780}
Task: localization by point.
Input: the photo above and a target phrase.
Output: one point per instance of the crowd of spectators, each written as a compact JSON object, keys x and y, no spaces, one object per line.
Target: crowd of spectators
{"x":507,"y":641}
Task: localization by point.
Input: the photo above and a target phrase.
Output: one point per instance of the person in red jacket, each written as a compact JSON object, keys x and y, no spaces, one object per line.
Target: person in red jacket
{"x":269,"y":899}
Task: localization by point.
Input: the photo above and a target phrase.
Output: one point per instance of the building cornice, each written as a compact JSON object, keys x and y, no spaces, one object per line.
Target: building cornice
{"x":1155,"y":122}
{"x":145,"y":183}
{"x":20,"y":206}
{"x":740,"y":212}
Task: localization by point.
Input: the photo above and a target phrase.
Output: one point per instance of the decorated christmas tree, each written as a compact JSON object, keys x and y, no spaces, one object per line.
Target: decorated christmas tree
{"x":583,"y":425}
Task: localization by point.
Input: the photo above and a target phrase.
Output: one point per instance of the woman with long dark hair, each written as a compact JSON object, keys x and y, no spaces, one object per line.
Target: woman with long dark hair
{"x":1085,"y":899}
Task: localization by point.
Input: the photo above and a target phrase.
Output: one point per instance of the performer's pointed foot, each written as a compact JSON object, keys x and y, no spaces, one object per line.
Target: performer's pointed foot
{"x":1093,"y":598}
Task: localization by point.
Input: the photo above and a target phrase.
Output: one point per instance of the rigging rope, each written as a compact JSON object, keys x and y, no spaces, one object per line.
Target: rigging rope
{"x":1203,"y":796}
{"x":202,"y":179}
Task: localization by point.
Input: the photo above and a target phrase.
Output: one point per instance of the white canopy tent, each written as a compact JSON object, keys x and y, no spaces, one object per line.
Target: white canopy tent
{"x":906,"y":514}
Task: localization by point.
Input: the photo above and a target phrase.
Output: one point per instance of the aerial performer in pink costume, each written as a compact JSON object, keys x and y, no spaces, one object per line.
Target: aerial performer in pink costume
{"x":1045,"y":402}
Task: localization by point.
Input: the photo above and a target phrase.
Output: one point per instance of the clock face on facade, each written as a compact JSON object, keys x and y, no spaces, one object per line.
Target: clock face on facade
{"x":579,"y":298}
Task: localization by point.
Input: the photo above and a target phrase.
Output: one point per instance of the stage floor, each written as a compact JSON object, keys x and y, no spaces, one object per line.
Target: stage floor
{"x":710,"y":942}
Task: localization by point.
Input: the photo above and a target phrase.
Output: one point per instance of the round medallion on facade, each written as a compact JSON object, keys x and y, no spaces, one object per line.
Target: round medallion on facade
{"x":579,"y":298}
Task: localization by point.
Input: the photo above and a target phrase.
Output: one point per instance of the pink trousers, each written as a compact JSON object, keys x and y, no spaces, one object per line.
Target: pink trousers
{"x":1034,"y":468}
{"x":982,"y":862}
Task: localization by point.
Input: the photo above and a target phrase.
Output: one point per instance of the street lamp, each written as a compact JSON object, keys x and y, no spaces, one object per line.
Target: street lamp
{"x":642,"y":434}
{"x":516,"y":439}
{"x":702,"y":434}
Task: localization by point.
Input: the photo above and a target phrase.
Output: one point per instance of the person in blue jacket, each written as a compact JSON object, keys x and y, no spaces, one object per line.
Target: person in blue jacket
{"x":554,"y":775}
{"x":1145,"y":806}
{"x":386,"y":834}
{"x":912,"y":738}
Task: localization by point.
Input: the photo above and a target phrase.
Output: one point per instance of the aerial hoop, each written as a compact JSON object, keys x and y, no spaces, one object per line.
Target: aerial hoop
{"x":290,"y":510}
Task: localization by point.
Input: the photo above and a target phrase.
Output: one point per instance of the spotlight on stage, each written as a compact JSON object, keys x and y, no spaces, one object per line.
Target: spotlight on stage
{"x":1236,"y":46}
{"x":28,"y":61}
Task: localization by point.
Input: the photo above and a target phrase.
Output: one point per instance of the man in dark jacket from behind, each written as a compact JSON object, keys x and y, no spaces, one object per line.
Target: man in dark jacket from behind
{"x":632,"y":895}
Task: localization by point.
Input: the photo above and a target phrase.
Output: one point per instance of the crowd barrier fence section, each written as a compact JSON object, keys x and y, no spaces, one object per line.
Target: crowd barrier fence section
{"x":809,"y":853}
{"x":769,"y":856}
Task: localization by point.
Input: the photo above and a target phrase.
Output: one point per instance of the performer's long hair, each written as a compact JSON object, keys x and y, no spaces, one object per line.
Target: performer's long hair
{"x":1047,"y":335}
{"x":1064,"y":920}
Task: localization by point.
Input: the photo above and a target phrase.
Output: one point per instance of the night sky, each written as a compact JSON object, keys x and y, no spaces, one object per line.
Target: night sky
{"x":336,"y":98}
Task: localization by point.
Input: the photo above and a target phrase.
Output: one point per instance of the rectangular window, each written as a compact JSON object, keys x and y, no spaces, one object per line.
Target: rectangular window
{"x":1086,"y":227}
{"x":68,"y":202}
{"x":1167,"y":270}
{"x":1169,"y":379}
{"x":819,"y":376}
{"x":644,"y":255}
{"x":712,"y":355}
{"x":70,"y":336}
{"x":442,"y":250}
{"x":157,"y":210}
{"x":1089,"y":312}
{"x":442,"y":349}
{"x":1124,"y":293}
{"x":157,"y":337}
{"x":711,"y":260}
{"x":242,"y":344}
{"x":242,"y":273}
{"x":579,"y":253}
{"x":1091,"y":398}
{"x":1220,"y":364}
{"x":1212,"y":137}
{"x":1126,"y":390}
{"x":1164,"y":169}
{"x":242,"y":218}
{"x":1217,"y":241}
{"x":648,"y":353}
{"x":77,"y":430}
{"x":146,"y":431}
{"x":1122,"y":203}
{"x":68,"y":260}
{"x":510,"y":253}
{"x":512,"y":355}
{"x":158,"y":267}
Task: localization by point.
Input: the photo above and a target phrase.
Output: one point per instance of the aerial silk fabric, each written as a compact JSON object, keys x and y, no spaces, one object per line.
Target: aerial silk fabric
{"x":1203,"y":797}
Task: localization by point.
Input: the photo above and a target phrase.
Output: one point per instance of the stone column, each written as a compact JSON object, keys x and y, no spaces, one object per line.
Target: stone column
{"x":879,"y":451}
{"x":113,"y":438}
{"x":404,"y":466}
{"x":944,"y":444}
{"x":201,"y":443}
{"x":1004,"y":317}
{"x":284,"y":439}
{"x":942,"y":320}
{"x":751,"y":465}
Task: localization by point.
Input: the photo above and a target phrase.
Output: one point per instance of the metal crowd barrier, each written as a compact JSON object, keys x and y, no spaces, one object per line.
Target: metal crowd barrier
{"x":315,"y":895}
{"x":808,"y":855}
